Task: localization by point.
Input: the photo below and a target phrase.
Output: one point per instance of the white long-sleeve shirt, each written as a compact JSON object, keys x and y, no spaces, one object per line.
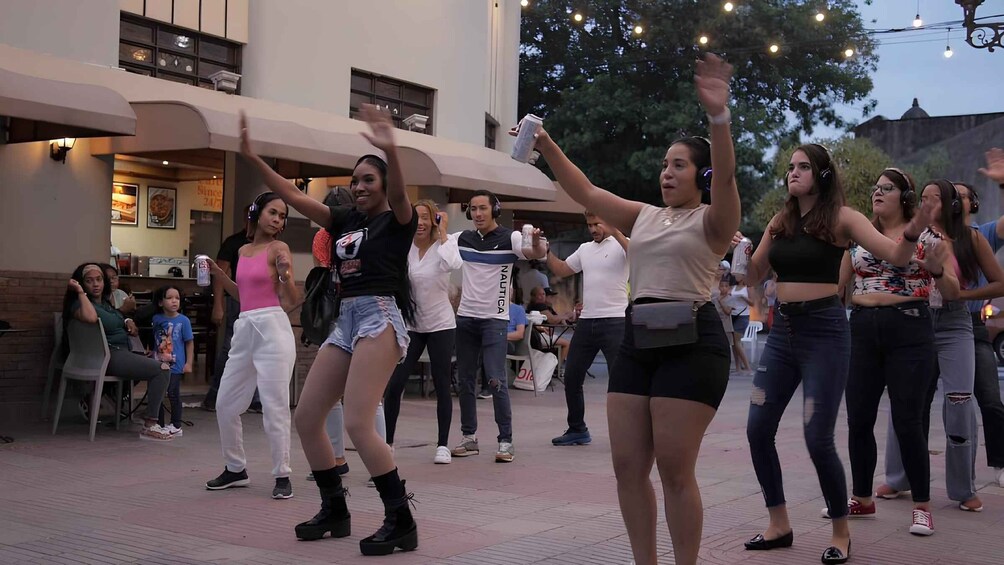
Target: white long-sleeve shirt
{"x":430,"y":285}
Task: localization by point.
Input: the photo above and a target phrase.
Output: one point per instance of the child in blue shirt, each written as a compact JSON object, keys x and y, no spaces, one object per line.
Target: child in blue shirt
{"x":173,"y":347}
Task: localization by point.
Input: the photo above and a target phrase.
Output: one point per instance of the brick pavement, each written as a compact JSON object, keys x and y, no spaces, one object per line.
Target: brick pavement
{"x":121,"y":500}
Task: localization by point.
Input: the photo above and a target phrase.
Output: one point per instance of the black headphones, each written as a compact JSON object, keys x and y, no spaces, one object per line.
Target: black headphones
{"x":254,"y":211}
{"x":956,"y":201}
{"x":825,"y":175}
{"x":496,"y":205}
{"x":974,"y":201}
{"x":908,"y":197}
{"x":703,"y":178}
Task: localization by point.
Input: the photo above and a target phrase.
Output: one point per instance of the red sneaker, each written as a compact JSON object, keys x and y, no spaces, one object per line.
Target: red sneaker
{"x":923,"y":523}
{"x":855,"y":510}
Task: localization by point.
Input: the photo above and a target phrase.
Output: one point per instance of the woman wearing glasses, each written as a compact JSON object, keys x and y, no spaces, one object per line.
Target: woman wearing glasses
{"x":893,"y":346}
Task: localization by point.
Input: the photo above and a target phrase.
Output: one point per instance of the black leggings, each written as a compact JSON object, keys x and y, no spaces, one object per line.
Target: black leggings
{"x":441,"y":346}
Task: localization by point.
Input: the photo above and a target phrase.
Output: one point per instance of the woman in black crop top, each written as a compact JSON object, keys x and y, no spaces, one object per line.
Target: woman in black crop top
{"x":370,"y":256}
{"x":810,"y":340}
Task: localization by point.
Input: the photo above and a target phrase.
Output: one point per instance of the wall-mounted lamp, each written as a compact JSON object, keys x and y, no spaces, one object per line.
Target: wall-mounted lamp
{"x":415,"y":122}
{"x":58,"y":148}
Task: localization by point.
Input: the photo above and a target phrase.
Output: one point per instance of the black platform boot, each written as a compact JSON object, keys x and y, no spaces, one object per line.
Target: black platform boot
{"x":334,"y":516}
{"x":399,"y":528}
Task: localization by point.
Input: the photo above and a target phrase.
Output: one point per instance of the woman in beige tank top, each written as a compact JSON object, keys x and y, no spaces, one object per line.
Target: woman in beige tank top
{"x":661,"y":400}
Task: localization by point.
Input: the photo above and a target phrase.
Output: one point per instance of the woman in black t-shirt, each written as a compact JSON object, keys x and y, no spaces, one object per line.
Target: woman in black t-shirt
{"x":370,"y":256}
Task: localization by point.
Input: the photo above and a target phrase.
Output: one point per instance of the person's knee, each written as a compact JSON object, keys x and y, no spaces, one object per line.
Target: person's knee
{"x":676,"y":477}
{"x":630,"y":470}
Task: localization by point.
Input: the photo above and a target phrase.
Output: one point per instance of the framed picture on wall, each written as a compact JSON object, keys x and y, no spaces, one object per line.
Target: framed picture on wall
{"x":161,"y":207}
{"x":125,"y":204}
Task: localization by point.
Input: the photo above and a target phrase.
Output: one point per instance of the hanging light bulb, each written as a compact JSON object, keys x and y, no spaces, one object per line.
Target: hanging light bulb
{"x":820,"y":16}
{"x":638,"y":30}
{"x":948,"y":45}
{"x":774,"y":48}
{"x":729,"y":6}
{"x":703,"y":40}
{"x":577,"y":17}
{"x":917,"y":22}
{"x":848,"y":53}
{"x":524,"y":3}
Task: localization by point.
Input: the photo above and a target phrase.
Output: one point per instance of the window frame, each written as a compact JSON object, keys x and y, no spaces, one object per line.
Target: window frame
{"x":401,"y":100}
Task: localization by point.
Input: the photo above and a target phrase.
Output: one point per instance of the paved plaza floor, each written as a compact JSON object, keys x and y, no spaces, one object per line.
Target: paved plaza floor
{"x":123,"y":500}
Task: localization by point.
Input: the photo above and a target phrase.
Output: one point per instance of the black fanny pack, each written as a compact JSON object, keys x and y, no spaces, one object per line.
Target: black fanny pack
{"x":663,"y":324}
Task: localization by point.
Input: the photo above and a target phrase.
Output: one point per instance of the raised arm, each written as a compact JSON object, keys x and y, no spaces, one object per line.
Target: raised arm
{"x":758,"y":266}
{"x":225,"y":281}
{"x":936,"y":257}
{"x":620,"y":212}
{"x":86,"y":313}
{"x":995,"y":172}
{"x":858,"y":229}
{"x":312,"y":209}
{"x":558,"y":267}
{"x":722,"y":219}
{"x":382,"y":137}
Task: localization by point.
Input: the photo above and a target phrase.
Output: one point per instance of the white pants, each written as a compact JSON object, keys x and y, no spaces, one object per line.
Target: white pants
{"x":262,"y":354}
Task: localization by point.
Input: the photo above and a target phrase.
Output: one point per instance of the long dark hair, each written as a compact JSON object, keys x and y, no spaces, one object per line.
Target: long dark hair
{"x":956,"y":230}
{"x":905,"y":183}
{"x":821,"y":221}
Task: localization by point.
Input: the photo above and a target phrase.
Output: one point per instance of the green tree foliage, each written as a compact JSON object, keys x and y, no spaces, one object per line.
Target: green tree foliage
{"x":859,"y":163}
{"x":614,"y":100}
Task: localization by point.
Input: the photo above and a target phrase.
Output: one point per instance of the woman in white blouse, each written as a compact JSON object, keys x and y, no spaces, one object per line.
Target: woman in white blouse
{"x":433,"y":255}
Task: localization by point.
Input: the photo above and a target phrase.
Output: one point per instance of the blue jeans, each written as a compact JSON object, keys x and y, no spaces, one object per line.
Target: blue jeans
{"x":591,"y":336}
{"x":484,"y":338}
{"x":810,"y":343}
{"x":174,"y":396}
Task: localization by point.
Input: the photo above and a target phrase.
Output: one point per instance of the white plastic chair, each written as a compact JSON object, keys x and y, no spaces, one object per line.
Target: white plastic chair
{"x":88,"y":361}
{"x":522,"y":353}
{"x":56,"y":361}
{"x":754,"y":328}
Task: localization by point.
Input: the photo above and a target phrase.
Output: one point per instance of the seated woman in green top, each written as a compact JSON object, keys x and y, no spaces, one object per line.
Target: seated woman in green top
{"x":88,"y":300}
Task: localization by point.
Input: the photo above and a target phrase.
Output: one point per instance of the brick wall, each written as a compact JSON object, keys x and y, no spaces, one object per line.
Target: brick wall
{"x":27,"y":301}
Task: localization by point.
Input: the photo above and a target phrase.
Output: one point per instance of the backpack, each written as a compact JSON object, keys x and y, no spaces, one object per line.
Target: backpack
{"x":320,"y":306}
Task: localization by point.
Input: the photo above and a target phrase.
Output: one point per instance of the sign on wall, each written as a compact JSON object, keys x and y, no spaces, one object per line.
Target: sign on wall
{"x":209,"y":195}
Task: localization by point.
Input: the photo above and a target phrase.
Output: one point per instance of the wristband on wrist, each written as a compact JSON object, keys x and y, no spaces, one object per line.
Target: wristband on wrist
{"x":282,"y":280}
{"x":721,"y":119}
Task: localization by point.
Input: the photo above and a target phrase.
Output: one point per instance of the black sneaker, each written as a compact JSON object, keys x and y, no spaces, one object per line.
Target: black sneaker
{"x":283,"y":488}
{"x":485,"y":394}
{"x":255,"y":408}
{"x":228,"y":479}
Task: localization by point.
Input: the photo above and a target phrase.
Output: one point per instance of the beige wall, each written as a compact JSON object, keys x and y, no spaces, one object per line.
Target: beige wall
{"x":142,"y":240}
{"x":74,"y":29}
{"x":301,"y":52}
{"x":55,"y":216}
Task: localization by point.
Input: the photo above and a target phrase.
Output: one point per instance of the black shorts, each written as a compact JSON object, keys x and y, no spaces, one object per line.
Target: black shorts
{"x":697,"y":371}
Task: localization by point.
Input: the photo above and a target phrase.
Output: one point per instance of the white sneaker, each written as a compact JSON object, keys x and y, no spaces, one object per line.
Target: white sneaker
{"x":175,"y":432}
{"x":923,"y":523}
{"x":443,"y":456}
{"x":999,"y":471}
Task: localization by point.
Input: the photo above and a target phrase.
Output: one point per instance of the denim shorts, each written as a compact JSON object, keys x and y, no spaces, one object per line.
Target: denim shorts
{"x":368,"y":316}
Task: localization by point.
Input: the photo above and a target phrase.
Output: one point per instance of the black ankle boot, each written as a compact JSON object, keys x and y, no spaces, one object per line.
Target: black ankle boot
{"x":334,"y":516}
{"x":399,"y":528}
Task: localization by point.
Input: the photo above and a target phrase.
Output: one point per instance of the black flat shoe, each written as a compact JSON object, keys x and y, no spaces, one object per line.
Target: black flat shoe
{"x":758,"y":543}
{"x":834,"y":555}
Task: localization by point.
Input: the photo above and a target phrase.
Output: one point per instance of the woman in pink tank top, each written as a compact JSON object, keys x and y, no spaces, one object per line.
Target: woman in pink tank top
{"x":262,"y":350}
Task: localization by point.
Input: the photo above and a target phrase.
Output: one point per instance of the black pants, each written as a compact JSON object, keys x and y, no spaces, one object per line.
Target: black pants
{"x":988,"y":394}
{"x":441,"y":345}
{"x":591,"y":336}
{"x":891,"y":347}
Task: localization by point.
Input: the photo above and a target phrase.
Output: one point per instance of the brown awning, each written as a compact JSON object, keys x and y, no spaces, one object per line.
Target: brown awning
{"x":175,"y":117}
{"x":41,"y":109}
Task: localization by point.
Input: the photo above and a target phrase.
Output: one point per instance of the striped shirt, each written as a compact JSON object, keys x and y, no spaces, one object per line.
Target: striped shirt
{"x":488,"y":265}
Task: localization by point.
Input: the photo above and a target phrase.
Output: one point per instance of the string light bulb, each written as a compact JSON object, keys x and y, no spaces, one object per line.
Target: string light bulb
{"x":703,"y":40}
{"x":917,"y":22}
{"x":848,"y":53}
{"x":820,"y":16}
{"x":948,"y":44}
{"x":524,"y":3}
{"x":729,"y":6}
{"x":577,"y":17}
{"x":638,"y":30}
{"x":774,"y":48}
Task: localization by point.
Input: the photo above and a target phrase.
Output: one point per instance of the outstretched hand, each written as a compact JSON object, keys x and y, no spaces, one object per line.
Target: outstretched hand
{"x":245,"y":137}
{"x":995,"y":165}
{"x":926,"y":215}
{"x":712,"y":81}
{"x":381,"y":133}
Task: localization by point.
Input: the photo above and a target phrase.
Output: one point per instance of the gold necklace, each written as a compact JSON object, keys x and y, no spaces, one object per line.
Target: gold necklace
{"x":668,"y":219}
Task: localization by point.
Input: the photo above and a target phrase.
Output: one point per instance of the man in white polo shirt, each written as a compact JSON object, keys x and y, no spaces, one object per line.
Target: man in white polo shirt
{"x":604,"y":267}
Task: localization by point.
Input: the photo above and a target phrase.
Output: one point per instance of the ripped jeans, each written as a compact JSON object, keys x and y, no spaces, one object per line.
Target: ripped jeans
{"x":953,"y":335}
{"x":809,"y":343}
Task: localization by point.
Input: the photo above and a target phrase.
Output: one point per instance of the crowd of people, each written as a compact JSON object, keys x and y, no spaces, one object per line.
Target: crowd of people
{"x":661,"y":306}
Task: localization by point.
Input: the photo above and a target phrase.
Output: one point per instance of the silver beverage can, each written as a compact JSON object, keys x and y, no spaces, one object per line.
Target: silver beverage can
{"x":528,"y":128}
{"x":741,"y":256}
{"x":202,"y":270}
{"x":527,"y":237}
